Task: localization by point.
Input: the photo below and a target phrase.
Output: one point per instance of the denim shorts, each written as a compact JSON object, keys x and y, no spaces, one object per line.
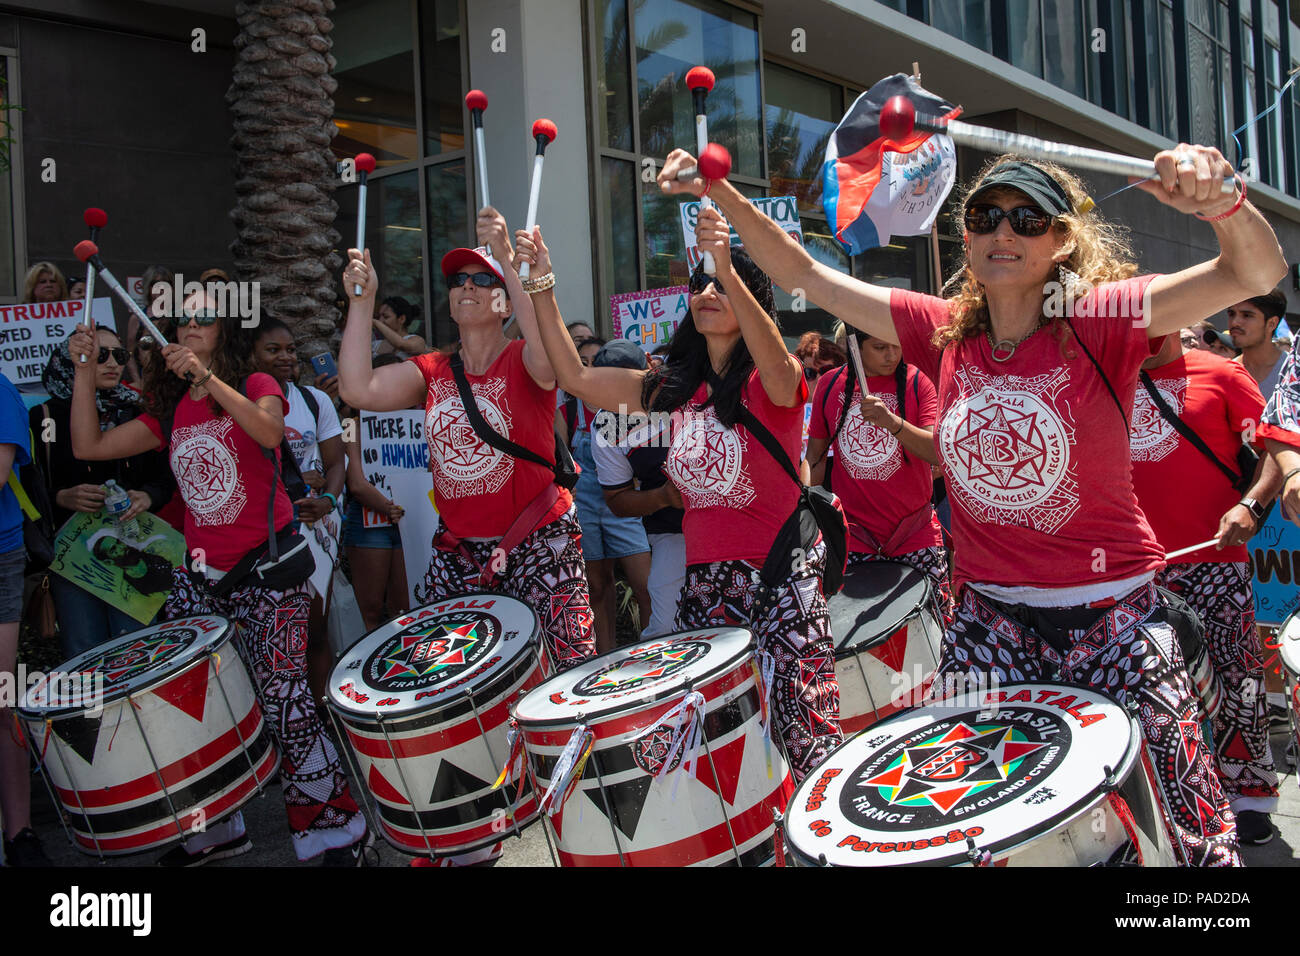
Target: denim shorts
{"x":356,"y":535}
{"x":12,"y":565}
{"x":605,"y":534}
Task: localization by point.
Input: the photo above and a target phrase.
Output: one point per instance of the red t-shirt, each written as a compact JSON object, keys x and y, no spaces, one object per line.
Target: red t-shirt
{"x":879,"y":489}
{"x":479,"y":490}
{"x":1181,"y":492}
{"x":1035,"y":452}
{"x":735,"y":494}
{"x":224,"y":477}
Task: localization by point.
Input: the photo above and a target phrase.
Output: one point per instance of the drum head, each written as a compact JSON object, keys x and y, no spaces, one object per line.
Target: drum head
{"x":631,"y":677}
{"x":433,"y":655}
{"x":1000,"y":767}
{"x":130,"y":664}
{"x":1290,"y":641}
{"x":875,"y":601}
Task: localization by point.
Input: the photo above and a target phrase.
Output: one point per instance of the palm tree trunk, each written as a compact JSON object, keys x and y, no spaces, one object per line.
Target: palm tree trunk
{"x":282,"y":105}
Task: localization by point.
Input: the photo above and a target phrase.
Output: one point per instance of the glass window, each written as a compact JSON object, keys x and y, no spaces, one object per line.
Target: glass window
{"x":801,"y":113}
{"x":903,"y":264}
{"x":665,"y":249}
{"x":1203,"y":87}
{"x":613,"y":79}
{"x":449,"y":228}
{"x":618,"y":216}
{"x":8,"y":153}
{"x":1064,"y":46}
{"x":374,"y":106}
{"x":1167,"y":106}
{"x":1024,"y":38}
{"x":968,"y":20}
{"x":392,"y":232}
{"x":671,"y":37}
{"x":444,"y":106}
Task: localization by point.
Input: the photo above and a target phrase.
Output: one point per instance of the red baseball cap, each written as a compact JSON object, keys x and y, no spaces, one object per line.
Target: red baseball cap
{"x":452,"y":261}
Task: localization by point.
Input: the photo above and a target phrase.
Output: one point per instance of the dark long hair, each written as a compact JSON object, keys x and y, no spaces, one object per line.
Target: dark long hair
{"x":232,"y":362}
{"x":686,"y":366}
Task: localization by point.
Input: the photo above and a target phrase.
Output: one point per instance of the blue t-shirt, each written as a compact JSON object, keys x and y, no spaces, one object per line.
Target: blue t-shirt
{"x":13,"y":431}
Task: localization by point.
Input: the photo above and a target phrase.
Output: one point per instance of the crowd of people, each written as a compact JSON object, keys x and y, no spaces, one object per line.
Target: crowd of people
{"x":1023,"y":459}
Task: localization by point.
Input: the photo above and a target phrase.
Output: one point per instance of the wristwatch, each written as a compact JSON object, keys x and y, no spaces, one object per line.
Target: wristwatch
{"x":1254,"y":507}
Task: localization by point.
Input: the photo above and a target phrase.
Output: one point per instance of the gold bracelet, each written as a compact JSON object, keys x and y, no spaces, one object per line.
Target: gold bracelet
{"x":539,"y":284}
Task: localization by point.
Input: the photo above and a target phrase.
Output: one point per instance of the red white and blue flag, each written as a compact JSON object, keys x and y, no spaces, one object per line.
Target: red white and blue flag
{"x":874,"y":188}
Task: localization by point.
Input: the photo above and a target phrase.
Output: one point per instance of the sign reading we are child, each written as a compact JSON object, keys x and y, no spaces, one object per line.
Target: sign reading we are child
{"x":648,"y":318}
{"x":30,"y":332}
{"x":783,"y":210}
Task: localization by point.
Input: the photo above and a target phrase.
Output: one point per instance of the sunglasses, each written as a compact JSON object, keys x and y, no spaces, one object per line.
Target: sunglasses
{"x":204,"y":319}
{"x":811,"y":374}
{"x":484,"y":280}
{"x":700,"y":280}
{"x":119,"y":355}
{"x":1025,"y":220}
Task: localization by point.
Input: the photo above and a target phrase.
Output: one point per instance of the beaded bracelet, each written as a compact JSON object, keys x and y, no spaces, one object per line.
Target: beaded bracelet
{"x":1237,"y":205}
{"x":539,"y":284}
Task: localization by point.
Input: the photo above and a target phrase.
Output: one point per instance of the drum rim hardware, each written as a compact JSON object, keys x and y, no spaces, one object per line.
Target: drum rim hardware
{"x":843,"y":648}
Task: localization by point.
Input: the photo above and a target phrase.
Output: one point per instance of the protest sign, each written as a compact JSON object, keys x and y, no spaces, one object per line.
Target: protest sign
{"x":395,"y":459}
{"x":30,"y":332}
{"x":783,"y":210}
{"x":648,"y":318}
{"x":1275,"y":567}
{"x":133,"y":575}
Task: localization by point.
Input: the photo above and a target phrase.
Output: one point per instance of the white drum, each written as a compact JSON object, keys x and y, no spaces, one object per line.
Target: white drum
{"x":1289,"y":653}
{"x":177,"y":744}
{"x":1026,"y":775}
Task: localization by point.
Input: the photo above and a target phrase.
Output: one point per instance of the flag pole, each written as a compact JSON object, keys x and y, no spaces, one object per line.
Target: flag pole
{"x":936,"y":267}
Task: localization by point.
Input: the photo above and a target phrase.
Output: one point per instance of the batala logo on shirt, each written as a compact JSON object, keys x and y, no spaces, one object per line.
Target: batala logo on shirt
{"x":206,"y":473}
{"x":1008,"y":449}
{"x":707,"y":462}
{"x":1151,"y":437}
{"x":466,"y":464}
{"x":868,"y":452}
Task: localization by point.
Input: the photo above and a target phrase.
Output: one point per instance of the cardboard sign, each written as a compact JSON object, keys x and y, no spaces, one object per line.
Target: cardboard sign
{"x":783,"y":210}
{"x":133,"y":575}
{"x":1275,"y":568}
{"x":30,"y":332}
{"x":648,"y":318}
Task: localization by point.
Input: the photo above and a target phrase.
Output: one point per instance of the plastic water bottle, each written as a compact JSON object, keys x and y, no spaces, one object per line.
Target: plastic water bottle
{"x":118,"y":503}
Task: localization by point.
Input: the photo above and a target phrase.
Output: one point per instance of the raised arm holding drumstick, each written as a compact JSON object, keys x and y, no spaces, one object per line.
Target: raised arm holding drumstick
{"x":1058,"y":489}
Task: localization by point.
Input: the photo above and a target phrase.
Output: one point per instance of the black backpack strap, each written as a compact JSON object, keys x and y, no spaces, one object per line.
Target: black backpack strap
{"x":482,"y":429}
{"x":768,"y":441}
{"x":1184,"y":429}
{"x":313,"y":406}
{"x":1110,"y":388}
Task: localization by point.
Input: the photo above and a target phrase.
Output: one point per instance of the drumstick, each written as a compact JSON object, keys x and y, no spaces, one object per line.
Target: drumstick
{"x":365,"y":164}
{"x":857,"y":361}
{"x":899,"y":119}
{"x":544,"y":132}
{"x":88,"y":253}
{"x":1196,"y":547}
{"x":699,"y":80}
{"x":477,"y":102}
{"x":96,"y":219}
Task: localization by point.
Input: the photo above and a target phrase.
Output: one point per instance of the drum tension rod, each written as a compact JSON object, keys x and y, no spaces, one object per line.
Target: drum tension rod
{"x":1109,"y":784}
{"x":977,"y":856}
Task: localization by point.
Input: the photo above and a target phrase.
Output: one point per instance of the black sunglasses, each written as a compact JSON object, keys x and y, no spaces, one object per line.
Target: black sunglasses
{"x":204,"y":319}
{"x":1025,"y":220}
{"x":119,"y":355}
{"x":700,"y":280}
{"x":484,"y":280}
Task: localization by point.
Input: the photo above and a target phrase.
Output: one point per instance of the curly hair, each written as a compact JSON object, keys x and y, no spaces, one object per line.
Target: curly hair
{"x":232,"y":362}
{"x":1099,"y":251}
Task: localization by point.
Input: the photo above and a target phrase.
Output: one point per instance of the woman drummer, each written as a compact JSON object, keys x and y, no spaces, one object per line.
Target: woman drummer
{"x":216,"y":419}
{"x":1054,"y":559}
{"x":727,"y":352}
{"x":883,"y":438}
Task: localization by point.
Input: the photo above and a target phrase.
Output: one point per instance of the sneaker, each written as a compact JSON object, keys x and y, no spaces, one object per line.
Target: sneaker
{"x":1279,"y":718}
{"x":178,"y":856}
{"x":1254,"y":828}
{"x":353,"y":855}
{"x":25,"y":850}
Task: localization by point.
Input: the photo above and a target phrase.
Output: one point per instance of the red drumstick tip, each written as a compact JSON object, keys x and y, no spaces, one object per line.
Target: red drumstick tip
{"x":715,"y":161}
{"x":85,"y":250}
{"x":699,"y":77}
{"x":365,"y":163}
{"x":897,"y":119}
{"x":476,"y":100}
{"x":544,"y":127}
{"x":95,"y":217}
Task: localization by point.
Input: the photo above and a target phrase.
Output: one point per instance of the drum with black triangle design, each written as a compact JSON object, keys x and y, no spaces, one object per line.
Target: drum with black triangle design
{"x":424,"y":703}
{"x":1290,"y":654}
{"x":152,"y":736}
{"x":887,"y":636}
{"x":636,"y":802}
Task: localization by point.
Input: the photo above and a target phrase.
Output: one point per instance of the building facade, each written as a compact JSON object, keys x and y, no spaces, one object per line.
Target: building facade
{"x":135,"y":121}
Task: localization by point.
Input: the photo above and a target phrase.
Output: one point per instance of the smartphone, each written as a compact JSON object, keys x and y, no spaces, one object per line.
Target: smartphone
{"x":324,"y":365}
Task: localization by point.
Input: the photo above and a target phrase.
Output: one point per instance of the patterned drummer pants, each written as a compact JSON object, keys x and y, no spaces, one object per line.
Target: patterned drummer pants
{"x":794,"y":627}
{"x":1221,"y":595}
{"x":547,"y":572}
{"x":271,"y":632}
{"x":932,"y":562}
{"x":1131,"y":653}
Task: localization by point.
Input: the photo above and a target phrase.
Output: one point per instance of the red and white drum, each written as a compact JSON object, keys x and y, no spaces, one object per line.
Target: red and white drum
{"x":639,"y":705}
{"x":1027,"y":775}
{"x":424,"y":702}
{"x":887,"y":638}
{"x":152,"y":736}
{"x":1289,"y":652}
